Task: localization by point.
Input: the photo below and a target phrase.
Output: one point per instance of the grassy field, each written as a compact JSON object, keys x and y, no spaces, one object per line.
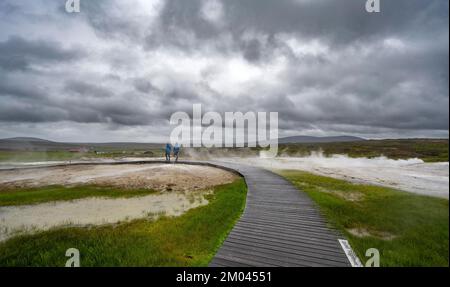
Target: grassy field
{"x":23,"y":196}
{"x":32,"y":156}
{"x":188,"y":240}
{"x":429,"y":150}
{"x":21,"y":156}
{"x":407,"y":229}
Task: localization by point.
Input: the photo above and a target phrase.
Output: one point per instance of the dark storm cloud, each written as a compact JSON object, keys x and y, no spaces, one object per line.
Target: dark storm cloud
{"x":324,"y":65}
{"x":17,"y":53}
{"x":340,"y":21}
{"x":84,"y":89}
{"x":107,"y":24}
{"x":19,"y":91}
{"x":185,"y":14}
{"x":143,"y":85}
{"x":78,"y":102}
{"x":251,"y":50}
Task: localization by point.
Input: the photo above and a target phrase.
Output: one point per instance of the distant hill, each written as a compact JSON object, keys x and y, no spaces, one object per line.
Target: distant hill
{"x":25,"y":139}
{"x":310,"y":139}
{"x":33,"y":144}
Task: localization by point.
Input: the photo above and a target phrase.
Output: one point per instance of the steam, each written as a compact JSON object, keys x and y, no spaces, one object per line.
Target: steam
{"x":412,"y":175}
{"x":211,"y":154}
{"x":318,"y":159}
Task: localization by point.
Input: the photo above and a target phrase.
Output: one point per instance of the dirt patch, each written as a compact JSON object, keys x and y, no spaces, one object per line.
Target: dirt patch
{"x":349,"y":196}
{"x":363,"y":232}
{"x":160,"y":177}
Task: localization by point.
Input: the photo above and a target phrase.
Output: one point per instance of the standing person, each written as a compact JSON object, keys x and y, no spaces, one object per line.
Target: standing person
{"x":168,"y":150}
{"x":176,"y":150}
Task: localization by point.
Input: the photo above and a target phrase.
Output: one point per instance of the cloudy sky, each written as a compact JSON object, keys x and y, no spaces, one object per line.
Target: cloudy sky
{"x":120,"y":68}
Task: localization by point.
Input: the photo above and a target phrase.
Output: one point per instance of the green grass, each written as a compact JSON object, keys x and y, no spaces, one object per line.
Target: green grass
{"x":23,"y":196}
{"x":407,"y":229}
{"x":24,"y":156}
{"x":32,"y":156}
{"x":191,"y":239}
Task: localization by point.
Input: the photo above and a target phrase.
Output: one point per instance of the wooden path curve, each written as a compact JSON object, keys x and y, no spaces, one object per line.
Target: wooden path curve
{"x":280,"y":226}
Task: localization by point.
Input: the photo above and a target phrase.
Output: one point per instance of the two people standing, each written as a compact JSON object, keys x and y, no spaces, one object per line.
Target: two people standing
{"x":176,"y":151}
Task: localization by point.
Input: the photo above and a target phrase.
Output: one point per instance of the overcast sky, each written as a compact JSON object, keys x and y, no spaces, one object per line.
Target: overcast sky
{"x":120,"y":68}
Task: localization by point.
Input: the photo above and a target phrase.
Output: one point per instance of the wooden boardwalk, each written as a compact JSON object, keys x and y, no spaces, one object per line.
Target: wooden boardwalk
{"x":280,"y":226}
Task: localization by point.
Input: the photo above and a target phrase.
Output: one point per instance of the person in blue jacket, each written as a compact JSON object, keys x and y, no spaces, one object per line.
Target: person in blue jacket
{"x":168,"y":150}
{"x":176,"y":151}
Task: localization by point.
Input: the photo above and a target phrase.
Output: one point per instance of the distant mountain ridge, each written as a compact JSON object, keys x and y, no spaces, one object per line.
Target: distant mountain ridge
{"x":33,"y":144}
{"x":25,"y":139}
{"x":311,"y":139}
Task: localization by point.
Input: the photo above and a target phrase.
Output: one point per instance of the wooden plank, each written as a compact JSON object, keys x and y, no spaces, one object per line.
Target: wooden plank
{"x":242,"y":259}
{"x":221,"y":262}
{"x":288,"y":231}
{"x":295,"y":244}
{"x":288,"y":257}
{"x":288,"y":251}
{"x":277,"y":258}
{"x":282,"y":237}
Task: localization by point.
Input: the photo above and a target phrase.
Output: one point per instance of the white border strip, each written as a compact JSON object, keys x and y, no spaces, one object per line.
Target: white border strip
{"x":351,"y":255}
